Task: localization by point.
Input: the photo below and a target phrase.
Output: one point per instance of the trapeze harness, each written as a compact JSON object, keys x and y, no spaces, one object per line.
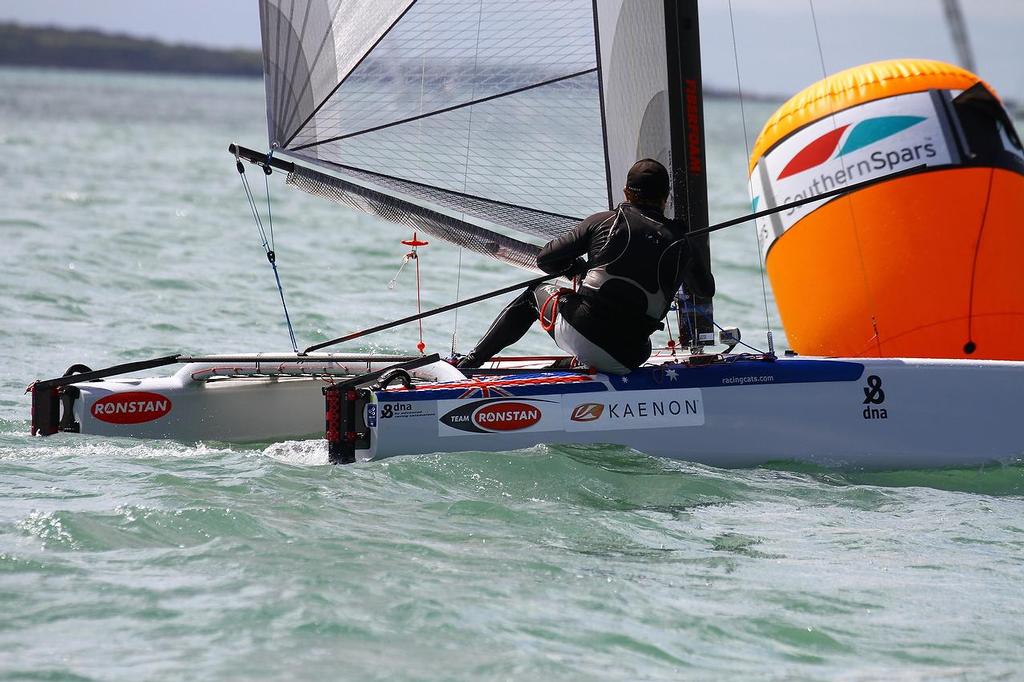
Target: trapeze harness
{"x":637,"y":258}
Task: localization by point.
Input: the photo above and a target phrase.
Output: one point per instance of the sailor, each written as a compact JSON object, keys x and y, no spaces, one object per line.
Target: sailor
{"x":636,"y":261}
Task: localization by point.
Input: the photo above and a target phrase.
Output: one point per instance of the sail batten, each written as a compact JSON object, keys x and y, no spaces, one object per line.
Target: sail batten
{"x":540,"y":149}
{"x":406,"y":185}
{"x":601,"y":102}
{"x":332,"y":38}
{"x":344,"y":76}
{"x":445,"y":110}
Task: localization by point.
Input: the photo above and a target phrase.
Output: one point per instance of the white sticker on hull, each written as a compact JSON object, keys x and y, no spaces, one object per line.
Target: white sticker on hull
{"x":634,"y":410}
{"x":498,"y":415}
{"x":409,"y":410}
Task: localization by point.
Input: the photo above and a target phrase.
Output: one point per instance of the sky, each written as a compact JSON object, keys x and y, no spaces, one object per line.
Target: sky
{"x":778,"y":52}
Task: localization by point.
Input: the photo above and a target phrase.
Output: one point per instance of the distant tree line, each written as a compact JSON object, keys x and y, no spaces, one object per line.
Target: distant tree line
{"x":87,"y":49}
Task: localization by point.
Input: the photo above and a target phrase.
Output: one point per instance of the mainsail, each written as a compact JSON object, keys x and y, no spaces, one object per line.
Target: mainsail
{"x":466,"y":119}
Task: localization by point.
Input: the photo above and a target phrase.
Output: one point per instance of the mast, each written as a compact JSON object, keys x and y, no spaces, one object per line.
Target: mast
{"x":688,"y":167}
{"x":958,"y":30}
{"x":686,"y":113}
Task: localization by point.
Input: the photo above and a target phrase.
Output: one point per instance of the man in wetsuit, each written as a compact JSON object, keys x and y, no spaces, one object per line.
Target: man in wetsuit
{"x":636,"y":260}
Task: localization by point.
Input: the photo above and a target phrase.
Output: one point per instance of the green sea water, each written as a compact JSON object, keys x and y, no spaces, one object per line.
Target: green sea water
{"x":126,"y":236}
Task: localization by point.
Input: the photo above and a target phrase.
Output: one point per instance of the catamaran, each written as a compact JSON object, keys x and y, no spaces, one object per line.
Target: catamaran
{"x":490,"y":125}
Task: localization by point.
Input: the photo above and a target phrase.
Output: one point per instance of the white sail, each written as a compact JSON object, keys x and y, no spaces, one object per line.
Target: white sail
{"x":311,"y":46}
{"x":634,"y":77}
{"x":485,"y":113}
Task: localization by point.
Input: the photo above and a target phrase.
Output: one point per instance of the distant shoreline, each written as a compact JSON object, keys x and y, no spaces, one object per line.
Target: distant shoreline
{"x":47,"y":46}
{"x":92,"y":50}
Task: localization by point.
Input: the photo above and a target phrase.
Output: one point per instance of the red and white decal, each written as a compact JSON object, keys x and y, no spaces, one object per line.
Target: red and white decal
{"x":131,"y":407}
{"x":497,"y":415}
{"x":498,"y":386}
{"x":506,"y":416}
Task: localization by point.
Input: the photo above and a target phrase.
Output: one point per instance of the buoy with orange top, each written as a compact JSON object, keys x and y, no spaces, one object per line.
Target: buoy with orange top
{"x":924,"y":265}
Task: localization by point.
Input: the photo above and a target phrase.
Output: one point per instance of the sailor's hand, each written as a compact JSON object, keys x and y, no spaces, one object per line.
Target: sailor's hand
{"x":579,"y":267}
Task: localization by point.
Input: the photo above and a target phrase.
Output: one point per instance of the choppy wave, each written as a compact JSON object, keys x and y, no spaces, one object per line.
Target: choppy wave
{"x":159,"y":560}
{"x":555,"y":561}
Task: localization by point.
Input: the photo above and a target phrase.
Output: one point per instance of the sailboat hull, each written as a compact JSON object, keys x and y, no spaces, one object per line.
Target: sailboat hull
{"x":844,"y":414}
{"x":878,"y":414}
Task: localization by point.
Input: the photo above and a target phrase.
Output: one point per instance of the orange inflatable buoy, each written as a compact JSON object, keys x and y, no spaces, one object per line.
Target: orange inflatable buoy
{"x":924,"y":265}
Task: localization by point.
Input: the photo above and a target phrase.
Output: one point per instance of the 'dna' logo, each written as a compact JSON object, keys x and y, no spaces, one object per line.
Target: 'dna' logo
{"x":864,"y":133}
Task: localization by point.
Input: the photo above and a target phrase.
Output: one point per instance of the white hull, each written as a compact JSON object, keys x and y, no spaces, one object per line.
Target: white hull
{"x":739,"y":413}
{"x":231,"y":401}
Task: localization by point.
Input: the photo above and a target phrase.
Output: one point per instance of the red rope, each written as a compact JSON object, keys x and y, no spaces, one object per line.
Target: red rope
{"x":671,"y":339}
{"x":552,"y":300}
{"x":415,"y":243}
{"x":548,"y":325}
{"x":419,"y":305}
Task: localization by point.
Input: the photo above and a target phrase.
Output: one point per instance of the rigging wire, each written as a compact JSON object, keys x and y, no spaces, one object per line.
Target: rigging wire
{"x":848,"y":197}
{"x":746,"y":147}
{"x":971,"y":346}
{"x":420,"y":345}
{"x":270,"y":215}
{"x":266,"y":242}
{"x":416,"y":243}
{"x":671,"y":339}
{"x":744,"y":343}
{"x":672,"y":343}
{"x":458,"y":288}
{"x":465,"y":167}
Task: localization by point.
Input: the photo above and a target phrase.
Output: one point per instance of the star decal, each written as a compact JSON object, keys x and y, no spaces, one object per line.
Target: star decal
{"x":625,"y":380}
{"x":671,"y":374}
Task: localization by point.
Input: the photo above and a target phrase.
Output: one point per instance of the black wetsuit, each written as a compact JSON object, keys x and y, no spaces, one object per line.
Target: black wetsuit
{"x":636,"y":260}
